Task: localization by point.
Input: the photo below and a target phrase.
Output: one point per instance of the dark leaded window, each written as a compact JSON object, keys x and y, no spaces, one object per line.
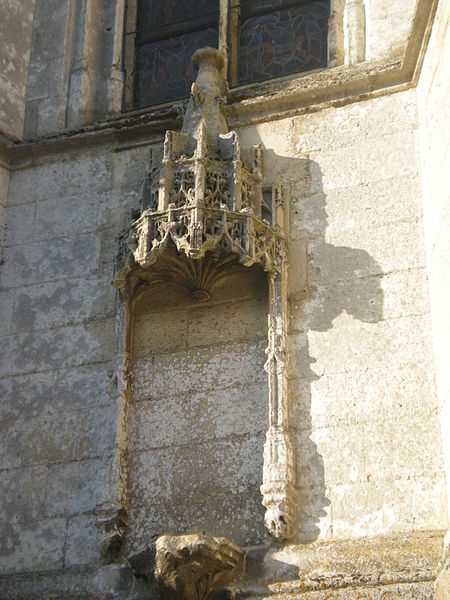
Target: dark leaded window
{"x":279,"y":37}
{"x":168,"y":33}
{"x":265,"y":39}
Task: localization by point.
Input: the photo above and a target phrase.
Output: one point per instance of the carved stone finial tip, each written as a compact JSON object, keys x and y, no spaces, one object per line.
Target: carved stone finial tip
{"x":208,"y":54}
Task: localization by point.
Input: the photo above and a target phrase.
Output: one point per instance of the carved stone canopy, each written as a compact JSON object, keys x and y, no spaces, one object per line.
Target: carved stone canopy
{"x":203,"y":196}
{"x":205,"y":200}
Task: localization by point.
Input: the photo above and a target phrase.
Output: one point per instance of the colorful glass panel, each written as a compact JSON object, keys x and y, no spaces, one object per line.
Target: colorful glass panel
{"x":164,"y":70}
{"x":282,"y":42}
{"x":168,"y":33}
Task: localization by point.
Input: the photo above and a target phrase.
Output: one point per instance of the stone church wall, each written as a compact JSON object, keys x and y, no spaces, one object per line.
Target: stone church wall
{"x":362,"y":178}
{"x":434,"y":119}
{"x":360,"y":319}
{"x":363,"y":391}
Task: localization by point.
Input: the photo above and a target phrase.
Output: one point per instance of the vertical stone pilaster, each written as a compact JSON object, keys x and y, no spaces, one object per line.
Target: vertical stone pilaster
{"x":355,"y":31}
{"x":279,"y":473}
{"x":79,"y":88}
{"x":116,"y":78}
{"x":336,"y":51}
{"x":112,"y":514}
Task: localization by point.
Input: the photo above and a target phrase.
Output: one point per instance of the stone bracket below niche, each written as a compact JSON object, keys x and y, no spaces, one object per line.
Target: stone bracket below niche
{"x":189,"y":567}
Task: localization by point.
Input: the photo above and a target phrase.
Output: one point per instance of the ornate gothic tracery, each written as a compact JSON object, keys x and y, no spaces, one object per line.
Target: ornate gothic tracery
{"x":208,"y":201}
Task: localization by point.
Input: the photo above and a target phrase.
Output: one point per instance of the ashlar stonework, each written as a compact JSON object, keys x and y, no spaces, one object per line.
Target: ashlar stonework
{"x":133,"y":418}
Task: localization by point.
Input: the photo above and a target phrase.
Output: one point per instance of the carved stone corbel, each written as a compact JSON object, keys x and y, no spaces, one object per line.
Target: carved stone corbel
{"x":189,"y":567}
{"x":205,"y":200}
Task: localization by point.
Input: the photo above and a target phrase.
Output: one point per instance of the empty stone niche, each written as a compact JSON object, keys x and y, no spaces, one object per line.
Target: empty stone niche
{"x":199,"y":412}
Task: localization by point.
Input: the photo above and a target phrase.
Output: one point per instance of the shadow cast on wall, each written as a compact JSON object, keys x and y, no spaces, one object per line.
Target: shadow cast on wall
{"x":325,"y":281}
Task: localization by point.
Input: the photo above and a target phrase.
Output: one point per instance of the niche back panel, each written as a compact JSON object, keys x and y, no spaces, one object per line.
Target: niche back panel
{"x":199,"y":412}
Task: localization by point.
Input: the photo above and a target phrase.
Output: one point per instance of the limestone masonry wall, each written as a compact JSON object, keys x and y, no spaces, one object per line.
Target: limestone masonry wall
{"x":180,"y":420}
{"x":58,"y":423}
{"x":369,"y":442}
{"x":368,"y":433}
{"x":434,"y":119}
{"x":387,"y":26}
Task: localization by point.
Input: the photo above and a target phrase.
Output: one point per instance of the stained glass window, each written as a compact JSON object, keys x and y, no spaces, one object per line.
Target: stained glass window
{"x":167,"y":35}
{"x":265,"y":39}
{"x":289,"y":39}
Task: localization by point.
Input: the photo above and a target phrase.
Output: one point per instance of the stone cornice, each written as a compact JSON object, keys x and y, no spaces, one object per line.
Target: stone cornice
{"x":332,"y":565}
{"x":249,"y":104}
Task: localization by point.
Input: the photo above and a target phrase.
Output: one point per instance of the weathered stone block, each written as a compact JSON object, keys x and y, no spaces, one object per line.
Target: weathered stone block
{"x":360,"y":158}
{"x":129,"y":167}
{"x":66,"y":302}
{"x":373,"y":395}
{"x":240,"y":362}
{"x":83,"y":541}
{"x":389,"y":27}
{"x":315,"y":513}
{"x":19,"y":224}
{"x":68,"y":216}
{"x":384,"y":505}
{"x":161,"y":422}
{"x":11,"y":443}
{"x":83,"y":174}
{"x":49,"y":260}
{"x":330,"y":455}
{"x":23,"y":495}
{"x":387,"y":454}
{"x":49,"y":438}
{"x":171,"y":498}
{"x":25,"y":353}
{"x":96,"y":430}
{"x":16,"y":38}
{"x":223,"y":323}
{"x":161,"y":332}
{"x":216,"y":516}
{"x":345,"y":126}
{"x":235,"y":410}
{"x":389,"y":343}
{"x":77,"y":486}
{"x":44,"y":76}
{"x":405,"y":293}
{"x":6,"y":310}
{"x":369,"y":205}
{"x":50,"y":391}
{"x":38,"y":545}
